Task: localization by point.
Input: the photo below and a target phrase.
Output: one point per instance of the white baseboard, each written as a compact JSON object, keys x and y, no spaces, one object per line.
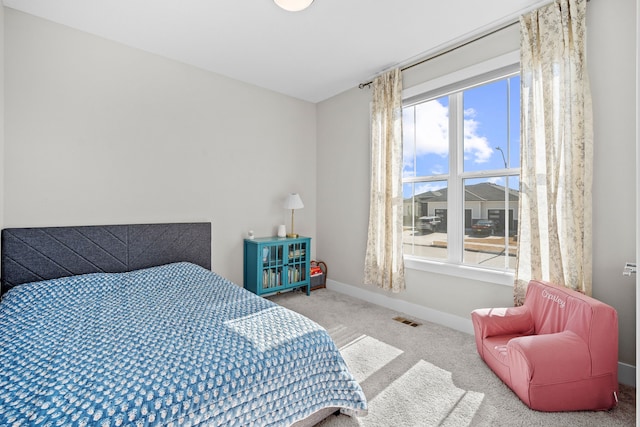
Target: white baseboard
{"x":626,"y":372}
{"x":425,"y":313}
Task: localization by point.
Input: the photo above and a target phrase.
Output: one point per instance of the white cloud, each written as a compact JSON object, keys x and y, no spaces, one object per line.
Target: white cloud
{"x":425,"y":187}
{"x":432,"y":135}
{"x":475,"y":145}
{"x":433,"y":124}
{"x":438,"y":169}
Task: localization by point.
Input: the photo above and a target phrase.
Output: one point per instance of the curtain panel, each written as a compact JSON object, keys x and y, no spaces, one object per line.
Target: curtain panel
{"x":384,"y":264}
{"x":555,"y":215}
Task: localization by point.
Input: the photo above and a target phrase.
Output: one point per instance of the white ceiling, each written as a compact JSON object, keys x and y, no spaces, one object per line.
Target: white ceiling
{"x":326,"y":49}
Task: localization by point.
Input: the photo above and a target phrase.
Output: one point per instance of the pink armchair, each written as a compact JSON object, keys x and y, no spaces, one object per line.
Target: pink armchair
{"x":557,"y":352}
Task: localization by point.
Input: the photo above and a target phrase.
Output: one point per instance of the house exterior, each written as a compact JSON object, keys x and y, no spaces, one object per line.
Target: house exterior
{"x":481,"y":201}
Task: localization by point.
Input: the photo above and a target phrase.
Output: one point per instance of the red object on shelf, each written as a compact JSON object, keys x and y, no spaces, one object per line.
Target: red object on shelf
{"x":315,"y":271}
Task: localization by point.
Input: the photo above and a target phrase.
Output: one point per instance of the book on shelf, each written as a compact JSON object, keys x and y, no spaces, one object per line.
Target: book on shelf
{"x":296,"y":274}
{"x":271,"y":278}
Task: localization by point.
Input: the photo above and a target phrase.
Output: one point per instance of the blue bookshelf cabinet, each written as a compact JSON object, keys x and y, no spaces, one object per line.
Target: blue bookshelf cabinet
{"x":275,"y":264}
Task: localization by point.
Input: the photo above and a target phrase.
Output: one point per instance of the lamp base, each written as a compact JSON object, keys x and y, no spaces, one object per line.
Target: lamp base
{"x":292,"y":235}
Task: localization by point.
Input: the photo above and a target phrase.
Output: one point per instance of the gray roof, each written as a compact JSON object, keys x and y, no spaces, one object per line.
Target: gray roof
{"x":482,"y":192}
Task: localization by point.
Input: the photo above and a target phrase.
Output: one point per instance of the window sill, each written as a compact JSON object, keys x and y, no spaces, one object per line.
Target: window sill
{"x":499,"y":277}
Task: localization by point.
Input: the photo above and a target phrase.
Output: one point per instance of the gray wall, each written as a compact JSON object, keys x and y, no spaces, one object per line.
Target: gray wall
{"x":1,"y":117}
{"x":343,"y":176}
{"x":99,"y":133}
{"x":612,"y":55}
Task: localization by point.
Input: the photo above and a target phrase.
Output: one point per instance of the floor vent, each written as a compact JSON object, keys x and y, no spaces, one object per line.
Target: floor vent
{"x":406,"y":321}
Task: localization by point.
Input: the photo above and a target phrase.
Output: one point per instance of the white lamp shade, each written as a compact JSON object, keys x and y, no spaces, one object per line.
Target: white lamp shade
{"x":293,"y":5}
{"x":293,"y":201}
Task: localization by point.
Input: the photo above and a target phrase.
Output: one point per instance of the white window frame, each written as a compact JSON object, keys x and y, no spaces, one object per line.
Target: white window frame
{"x":451,"y":83}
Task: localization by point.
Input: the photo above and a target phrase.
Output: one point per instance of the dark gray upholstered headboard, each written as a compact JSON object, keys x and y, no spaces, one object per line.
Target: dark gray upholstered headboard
{"x":33,"y":254}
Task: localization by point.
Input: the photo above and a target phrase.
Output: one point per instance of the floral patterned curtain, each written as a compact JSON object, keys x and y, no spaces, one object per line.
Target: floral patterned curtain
{"x":554,"y":231}
{"x":384,"y":265}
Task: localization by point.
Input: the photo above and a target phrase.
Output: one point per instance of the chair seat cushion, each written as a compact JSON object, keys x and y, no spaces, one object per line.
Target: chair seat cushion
{"x":495,"y":351}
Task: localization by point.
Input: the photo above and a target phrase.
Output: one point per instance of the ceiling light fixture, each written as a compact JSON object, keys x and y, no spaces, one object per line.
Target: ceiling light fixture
{"x":293,"y":5}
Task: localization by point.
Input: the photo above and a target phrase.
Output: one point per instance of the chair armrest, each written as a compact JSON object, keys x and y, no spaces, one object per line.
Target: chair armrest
{"x":488,"y":322}
{"x":548,"y":358}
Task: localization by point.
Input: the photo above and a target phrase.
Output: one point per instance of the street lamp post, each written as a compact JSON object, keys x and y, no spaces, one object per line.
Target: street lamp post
{"x":503,"y":158}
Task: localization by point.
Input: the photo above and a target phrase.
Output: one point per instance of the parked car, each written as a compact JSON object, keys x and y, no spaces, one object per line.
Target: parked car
{"x":428,"y":223}
{"x":484,"y":227}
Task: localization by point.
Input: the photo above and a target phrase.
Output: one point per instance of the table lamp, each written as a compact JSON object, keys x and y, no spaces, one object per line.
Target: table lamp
{"x":293,"y":202}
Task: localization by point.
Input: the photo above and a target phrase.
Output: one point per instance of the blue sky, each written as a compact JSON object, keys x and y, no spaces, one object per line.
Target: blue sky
{"x":487,"y":111}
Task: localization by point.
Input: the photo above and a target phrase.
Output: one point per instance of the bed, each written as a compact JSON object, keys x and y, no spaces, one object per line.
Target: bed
{"x":127,"y":325}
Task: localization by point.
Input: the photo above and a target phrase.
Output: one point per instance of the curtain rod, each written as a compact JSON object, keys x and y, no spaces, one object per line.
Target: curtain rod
{"x":451,"y":49}
{"x":448,"y":50}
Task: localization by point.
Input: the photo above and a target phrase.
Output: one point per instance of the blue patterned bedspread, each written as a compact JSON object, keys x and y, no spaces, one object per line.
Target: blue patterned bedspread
{"x":170,"y":345}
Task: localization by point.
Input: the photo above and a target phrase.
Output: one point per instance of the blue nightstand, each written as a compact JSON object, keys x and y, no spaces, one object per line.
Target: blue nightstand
{"x":275,"y":264}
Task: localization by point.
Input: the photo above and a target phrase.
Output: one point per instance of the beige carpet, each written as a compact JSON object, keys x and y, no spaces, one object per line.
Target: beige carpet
{"x":427,"y":375}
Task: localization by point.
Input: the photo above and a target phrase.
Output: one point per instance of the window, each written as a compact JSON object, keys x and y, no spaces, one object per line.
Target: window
{"x":461,"y":171}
